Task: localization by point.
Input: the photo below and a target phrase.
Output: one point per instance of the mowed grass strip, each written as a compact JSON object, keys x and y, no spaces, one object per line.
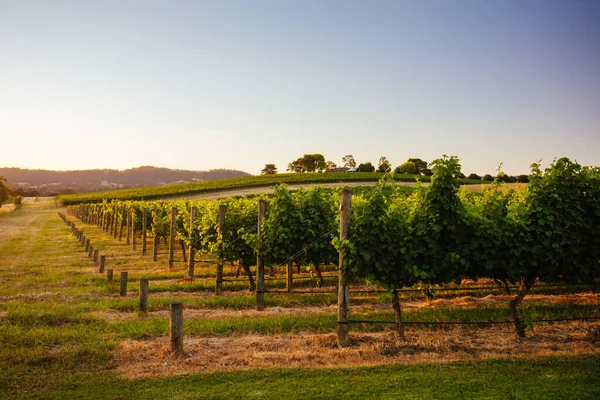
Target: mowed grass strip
{"x":573,"y":377}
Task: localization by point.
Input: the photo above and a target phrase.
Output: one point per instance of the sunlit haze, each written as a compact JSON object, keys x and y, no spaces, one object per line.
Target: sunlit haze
{"x":238,"y":84}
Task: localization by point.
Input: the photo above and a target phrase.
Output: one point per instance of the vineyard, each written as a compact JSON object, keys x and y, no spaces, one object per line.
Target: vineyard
{"x":180,"y":189}
{"x":244,"y":293}
{"x":430,"y":239}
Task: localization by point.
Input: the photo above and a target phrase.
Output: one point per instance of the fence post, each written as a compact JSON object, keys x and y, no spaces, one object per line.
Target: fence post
{"x":144,"y":295}
{"x":133,"y":238}
{"x":109,"y":274}
{"x":102,"y":263}
{"x":87,"y":245}
{"x":176,"y":328}
{"x":90,"y":251}
{"x":343,"y":278}
{"x":260,"y":260}
{"x":144,"y":234}
{"x":128,"y":227}
{"x":289,"y":285}
{"x":219,"y":282}
{"x":192,"y":253}
{"x":172,"y":237}
{"x":115,"y":226}
{"x":123,"y":213}
{"x":95,"y":259}
{"x":123,"y":283}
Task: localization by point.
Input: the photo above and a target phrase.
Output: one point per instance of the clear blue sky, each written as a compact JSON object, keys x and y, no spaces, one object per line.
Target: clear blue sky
{"x":238,"y":84}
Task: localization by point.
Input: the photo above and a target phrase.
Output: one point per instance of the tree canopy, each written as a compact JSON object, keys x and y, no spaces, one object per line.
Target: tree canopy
{"x":308,"y":163}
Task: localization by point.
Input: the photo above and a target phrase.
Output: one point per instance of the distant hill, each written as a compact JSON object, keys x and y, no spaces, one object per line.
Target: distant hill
{"x":44,"y":182}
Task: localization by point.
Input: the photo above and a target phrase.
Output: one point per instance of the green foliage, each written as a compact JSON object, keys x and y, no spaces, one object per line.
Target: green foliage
{"x":474,"y":176}
{"x":407,"y":168}
{"x":269,"y":169}
{"x":4,"y":191}
{"x":366,"y":167}
{"x":488,"y":177}
{"x":308,"y":163}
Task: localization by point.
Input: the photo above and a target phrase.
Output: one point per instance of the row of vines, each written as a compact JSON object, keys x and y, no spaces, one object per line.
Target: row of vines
{"x":549,"y":231}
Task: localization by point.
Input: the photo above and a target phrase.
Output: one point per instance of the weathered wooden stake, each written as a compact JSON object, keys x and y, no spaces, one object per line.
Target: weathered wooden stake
{"x":260,"y":260}
{"x":102,"y":262}
{"x":121,"y":225}
{"x":155,"y":242}
{"x":109,"y":274}
{"x":172,"y":237}
{"x":95,"y":259}
{"x":144,"y":233}
{"x":128,"y":227}
{"x":289,"y":283}
{"x":176,"y":328}
{"x":115,"y":226}
{"x":124,"y":283}
{"x":133,"y":237}
{"x":87,"y":245}
{"x":343,"y":277}
{"x":144,"y":295}
{"x":219,"y":282}
{"x":192,"y":253}
{"x":90,"y":251}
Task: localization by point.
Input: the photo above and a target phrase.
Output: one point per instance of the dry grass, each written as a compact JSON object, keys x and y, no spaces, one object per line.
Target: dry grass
{"x":461,"y":302}
{"x":306,"y":350}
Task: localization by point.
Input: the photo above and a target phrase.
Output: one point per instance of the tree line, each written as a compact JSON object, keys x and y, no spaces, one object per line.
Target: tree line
{"x":413,"y":166}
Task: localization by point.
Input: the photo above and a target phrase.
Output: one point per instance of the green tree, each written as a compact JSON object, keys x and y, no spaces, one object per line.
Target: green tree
{"x":488,"y":177}
{"x":330,"y":165}
{"x":384,"y":165}
{"x":308,"y":163}
{"x":420,"y":165}
{"x":474,"y":176}
{"x":4,"y":190}
{"x":366,"y":167}
{"x":349,"y":161}
{"x":269,"y":169}
{"x":408,"y":167}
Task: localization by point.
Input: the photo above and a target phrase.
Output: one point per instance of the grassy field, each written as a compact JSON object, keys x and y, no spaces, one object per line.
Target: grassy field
{"x":177,"y":190}
{"x":66,"y":333}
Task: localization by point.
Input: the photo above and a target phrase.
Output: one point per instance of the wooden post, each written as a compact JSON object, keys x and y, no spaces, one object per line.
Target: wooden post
{"x":90,"y":251}
{"x":124,"y":283}
{"x":87,"y":245}
{"x":128,"y":227}
{"x":82,"y":240}
{"x":144,"y":234}
{"x":172,"y":237}
{"x":260,"y":260}
{"x":219,"y":282}
{"x":144,"y":295}
{"x":102,"y":262}
{"x":289,"y":284}
{"x":133,"y":238}
{"x":176,"y":328}
{"x":115,"y":222}
{"x":192,"y":253}
{"x":123,"y":213}
{"x":95,"y":259}
{"x":155,"y":242}
{"x":109,"y":274}
{"x":343,"y":277}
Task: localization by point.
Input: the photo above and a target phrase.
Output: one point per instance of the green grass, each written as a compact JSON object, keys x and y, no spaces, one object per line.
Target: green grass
{"x":543,"y":378}
{"x":179,"y":189}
